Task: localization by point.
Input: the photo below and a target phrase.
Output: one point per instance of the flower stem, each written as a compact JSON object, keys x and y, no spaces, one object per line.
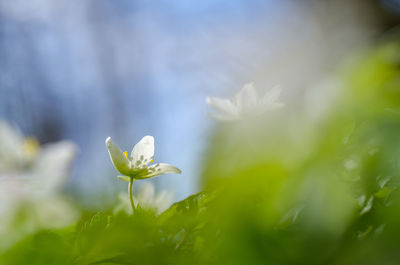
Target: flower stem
{"x":130,"y":195}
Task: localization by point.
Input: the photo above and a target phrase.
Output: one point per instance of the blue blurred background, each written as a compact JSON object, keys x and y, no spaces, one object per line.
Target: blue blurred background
{"x":86,"y":70}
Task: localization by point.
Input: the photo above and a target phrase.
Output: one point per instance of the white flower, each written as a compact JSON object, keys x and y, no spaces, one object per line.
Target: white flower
{"x":137,"y":166}
{"x":147,"y":198}
{"x":31,"y":178}
{"x":22,"y":159}
{"x":245,"y":103}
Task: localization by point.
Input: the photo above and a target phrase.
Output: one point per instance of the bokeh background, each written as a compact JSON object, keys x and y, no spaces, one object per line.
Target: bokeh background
{"x":86,"y":70}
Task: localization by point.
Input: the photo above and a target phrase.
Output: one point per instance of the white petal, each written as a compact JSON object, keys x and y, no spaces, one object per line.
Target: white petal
{"x":146,"y":194}
{"x":271,"y":98}
{"x":124,"y":178}
{"x":57,"y":209}
{"x":143,"y":152}
{"x":121,"y":163}
{"x":247,"y":97}
{"x":148,"y":199}
{"x":54,"y":163}
{"x":161,"y":168}
{"x":276,"y":105}
{"x":164,"y":200}
{"x":10,"y":145}
{"x":222,"y":116}
{"x":224,"y":106}
{"x":123,"y":203}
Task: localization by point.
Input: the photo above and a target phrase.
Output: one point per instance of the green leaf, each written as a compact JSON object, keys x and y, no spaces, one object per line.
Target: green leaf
{"x":184,"y":208}
{"x":383,"y":192}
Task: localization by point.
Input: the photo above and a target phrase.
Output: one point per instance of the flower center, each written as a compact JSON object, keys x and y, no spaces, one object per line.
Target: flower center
{"x":31,"y":147}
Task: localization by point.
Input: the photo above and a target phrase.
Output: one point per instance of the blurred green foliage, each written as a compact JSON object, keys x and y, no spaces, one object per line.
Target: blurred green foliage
{"x":278,"y":189}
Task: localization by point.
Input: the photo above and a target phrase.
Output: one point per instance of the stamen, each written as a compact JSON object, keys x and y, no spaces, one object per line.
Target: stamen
{"x":31,"y":146}
{"x":126,"y":154}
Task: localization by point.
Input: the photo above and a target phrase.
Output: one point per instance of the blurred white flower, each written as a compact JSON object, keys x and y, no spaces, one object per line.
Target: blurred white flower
{"x":31,"y":178}
{"x":245,"y":103}
{"x":147,"y":199}
{"x":137,"y":166}
{"x":22,"y":159}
